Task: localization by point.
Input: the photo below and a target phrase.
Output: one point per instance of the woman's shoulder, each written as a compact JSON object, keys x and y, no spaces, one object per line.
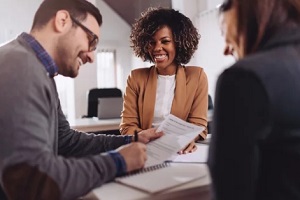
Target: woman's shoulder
{"x":193,"y":68}
{"x":140,"y":72}
{"x":192,"y":71}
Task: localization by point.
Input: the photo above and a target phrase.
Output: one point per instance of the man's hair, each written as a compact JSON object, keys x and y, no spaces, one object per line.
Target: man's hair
{"x":259,"y":20}
{"x":185,"y":35}
{"x":77,"y":8}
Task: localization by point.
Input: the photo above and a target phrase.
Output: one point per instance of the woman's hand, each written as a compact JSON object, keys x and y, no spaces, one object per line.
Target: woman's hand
{"x":191,"y":147}
{"x":146,"y":136}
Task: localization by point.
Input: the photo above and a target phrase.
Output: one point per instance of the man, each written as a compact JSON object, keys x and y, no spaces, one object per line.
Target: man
{"x":41,"y":157}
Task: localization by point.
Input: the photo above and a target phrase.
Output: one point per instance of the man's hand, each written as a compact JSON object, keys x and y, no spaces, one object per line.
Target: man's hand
{"x":146,"y":136}
{"x":134,"y":155}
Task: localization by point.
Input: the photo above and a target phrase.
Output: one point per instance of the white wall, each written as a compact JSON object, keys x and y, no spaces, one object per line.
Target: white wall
{"x":16,"y":16}
{"x":189,"y":9}
{"x":210,"y":51}
{"x":211,"y":4}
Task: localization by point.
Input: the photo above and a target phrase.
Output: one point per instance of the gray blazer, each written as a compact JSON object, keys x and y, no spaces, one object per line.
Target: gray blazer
{"x":37,"y":143}
{"x":255,"y":146}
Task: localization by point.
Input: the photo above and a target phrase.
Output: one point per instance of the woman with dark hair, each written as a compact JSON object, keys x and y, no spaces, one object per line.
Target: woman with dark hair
{"x":255,"y":148}
{"x":168,"y":39}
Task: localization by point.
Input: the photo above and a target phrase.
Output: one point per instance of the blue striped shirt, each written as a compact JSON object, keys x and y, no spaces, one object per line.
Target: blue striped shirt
{"x":41,"y":54}
{"x":118,"y":158}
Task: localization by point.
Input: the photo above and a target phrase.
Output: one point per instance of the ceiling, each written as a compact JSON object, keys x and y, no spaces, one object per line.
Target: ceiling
{"x":130,"y":10}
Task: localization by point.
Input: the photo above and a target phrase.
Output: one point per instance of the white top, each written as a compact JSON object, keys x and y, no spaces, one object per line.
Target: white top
{"x":164,"y":98}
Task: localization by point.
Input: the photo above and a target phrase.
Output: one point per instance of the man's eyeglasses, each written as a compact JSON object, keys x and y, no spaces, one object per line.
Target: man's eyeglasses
{"x":93,"y":39}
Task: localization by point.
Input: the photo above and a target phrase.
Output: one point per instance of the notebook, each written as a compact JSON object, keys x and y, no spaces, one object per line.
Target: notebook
{"x":110,"y":107}
{"x":164,"y":176}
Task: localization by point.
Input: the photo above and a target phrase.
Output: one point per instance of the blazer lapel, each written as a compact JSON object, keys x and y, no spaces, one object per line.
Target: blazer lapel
{"x":178,"y":104}
{"x":149,"y":99}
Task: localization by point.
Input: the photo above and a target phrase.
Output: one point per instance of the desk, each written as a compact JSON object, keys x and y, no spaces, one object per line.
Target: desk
{"x":94,"y":124}
{"x":198,"y":189}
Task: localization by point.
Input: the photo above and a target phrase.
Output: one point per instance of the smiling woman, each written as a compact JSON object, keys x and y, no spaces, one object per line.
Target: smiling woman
{"x":168,"y":39}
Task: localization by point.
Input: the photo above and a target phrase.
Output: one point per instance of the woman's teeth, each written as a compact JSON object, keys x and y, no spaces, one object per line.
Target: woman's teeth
{"x":160,"y":57}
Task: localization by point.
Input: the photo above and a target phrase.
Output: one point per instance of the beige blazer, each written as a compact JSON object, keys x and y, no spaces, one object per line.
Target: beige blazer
{"x":190,"y":101}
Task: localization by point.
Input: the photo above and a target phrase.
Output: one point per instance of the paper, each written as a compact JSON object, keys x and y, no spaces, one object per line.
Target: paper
{"x":177,"y":134}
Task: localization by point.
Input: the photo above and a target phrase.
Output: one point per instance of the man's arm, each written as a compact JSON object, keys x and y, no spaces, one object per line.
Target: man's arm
{"x":75,"y":143}
{"x":240,"y":122}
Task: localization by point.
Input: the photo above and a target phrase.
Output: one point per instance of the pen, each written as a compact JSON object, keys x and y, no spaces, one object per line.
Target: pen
{"x":136,"y":137}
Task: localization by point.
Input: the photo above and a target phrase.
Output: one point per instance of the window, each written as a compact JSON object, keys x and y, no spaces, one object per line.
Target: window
{"x":106,"y":69}
{"x":65,"y":90}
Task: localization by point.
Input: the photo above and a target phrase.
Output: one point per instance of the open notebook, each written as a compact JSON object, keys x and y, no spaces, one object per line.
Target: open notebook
{"x":164,"y":176}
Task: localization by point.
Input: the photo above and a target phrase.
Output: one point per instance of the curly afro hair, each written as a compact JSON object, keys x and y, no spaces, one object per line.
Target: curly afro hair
{"x":186,"y":36}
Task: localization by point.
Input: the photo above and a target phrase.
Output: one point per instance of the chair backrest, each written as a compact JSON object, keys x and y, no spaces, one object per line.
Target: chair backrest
{"x":210,"y":113}
{"x":96,"y":93}
{"x":210,"y":103}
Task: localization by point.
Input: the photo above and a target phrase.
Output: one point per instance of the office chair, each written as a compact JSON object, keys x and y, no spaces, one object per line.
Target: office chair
{"x":94,"y":94}
{"x":210,"y":109}
{"x":210,"y":103}
{"x":92,"y":110}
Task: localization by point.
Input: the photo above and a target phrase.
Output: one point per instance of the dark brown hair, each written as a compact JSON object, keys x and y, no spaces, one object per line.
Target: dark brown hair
{"x":77,"y":8}
{"x":186,"y":36}
{"x":258,"y":20}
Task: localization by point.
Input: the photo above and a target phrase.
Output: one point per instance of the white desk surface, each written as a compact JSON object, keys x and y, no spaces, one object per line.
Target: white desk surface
{"x":116,"y":191}
{"x":94,"y":124}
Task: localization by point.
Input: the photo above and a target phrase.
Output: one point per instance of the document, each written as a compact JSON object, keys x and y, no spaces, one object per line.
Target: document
{"x":177,"y":135}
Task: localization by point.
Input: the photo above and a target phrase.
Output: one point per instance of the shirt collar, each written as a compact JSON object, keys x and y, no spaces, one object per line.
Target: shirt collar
{"x":284,"y":36}
{"x":41,"y":54}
